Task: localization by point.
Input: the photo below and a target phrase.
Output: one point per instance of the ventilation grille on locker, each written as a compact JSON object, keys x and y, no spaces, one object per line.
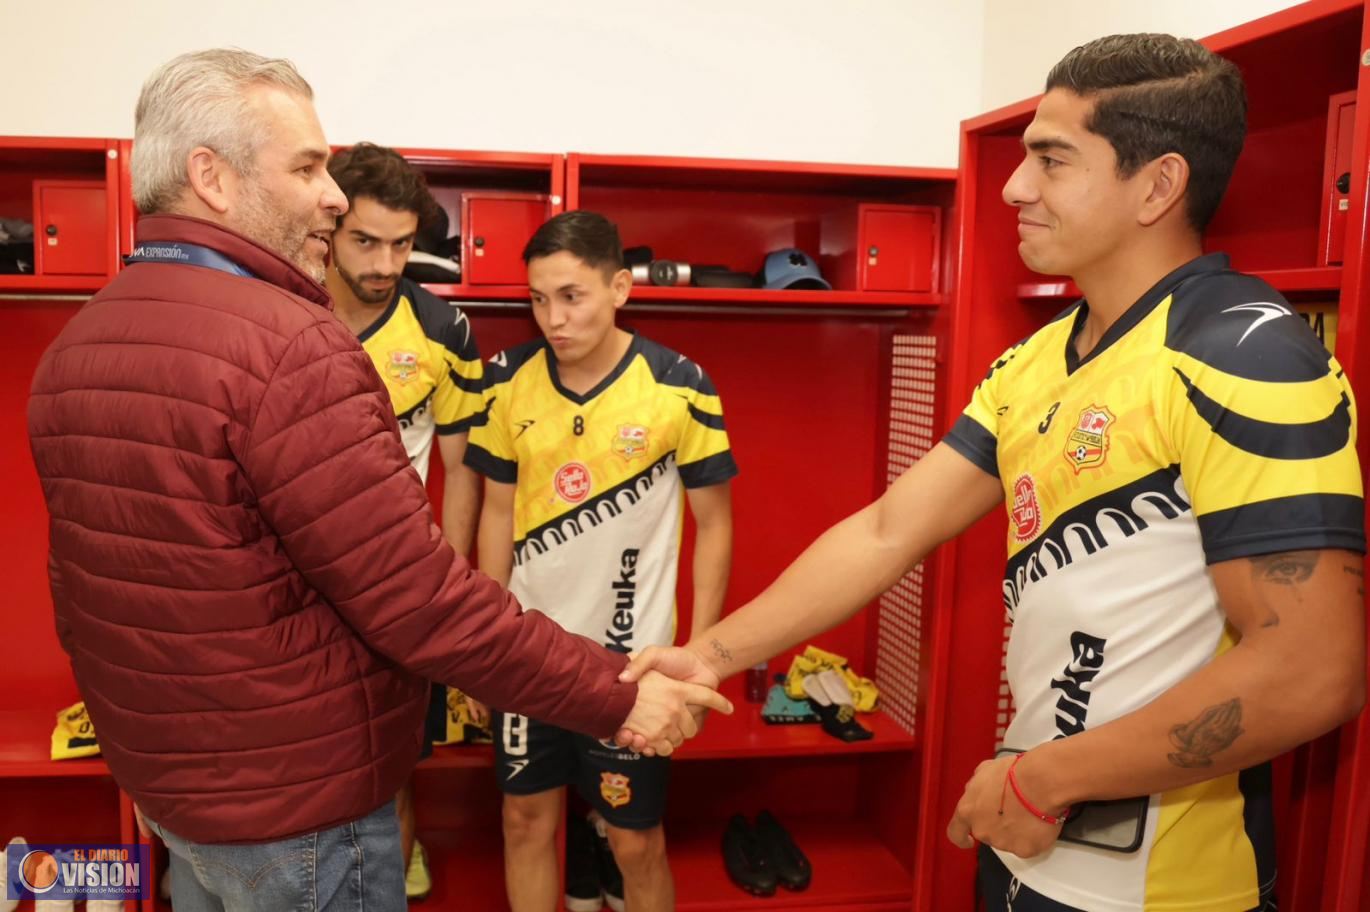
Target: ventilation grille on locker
{"x":913,"y":397}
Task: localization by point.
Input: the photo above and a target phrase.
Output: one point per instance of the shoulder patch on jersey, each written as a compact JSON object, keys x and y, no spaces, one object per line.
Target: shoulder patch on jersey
{"x":1243,"y":327}
{"x":504,"y":365}
{"x":674,"y":369}
{"x":435,"y":315}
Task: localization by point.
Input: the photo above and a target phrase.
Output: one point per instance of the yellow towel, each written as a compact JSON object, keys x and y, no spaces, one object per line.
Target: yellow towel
{"x":74,"y":735}
{"x":460,"y":728}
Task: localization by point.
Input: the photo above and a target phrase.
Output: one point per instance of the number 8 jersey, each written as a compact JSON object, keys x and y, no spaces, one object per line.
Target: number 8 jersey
{"x":598,"y":500}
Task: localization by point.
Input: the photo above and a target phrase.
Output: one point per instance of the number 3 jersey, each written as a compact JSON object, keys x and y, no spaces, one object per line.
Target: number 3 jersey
{"x":598,"y":501}
{"x":1208,"y":424}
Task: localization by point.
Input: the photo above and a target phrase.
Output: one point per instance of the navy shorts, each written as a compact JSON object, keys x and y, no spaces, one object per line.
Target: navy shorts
{"x":627,"y":788}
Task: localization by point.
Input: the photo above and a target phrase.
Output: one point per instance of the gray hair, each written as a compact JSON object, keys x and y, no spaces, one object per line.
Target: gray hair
{"x":200,"y":99}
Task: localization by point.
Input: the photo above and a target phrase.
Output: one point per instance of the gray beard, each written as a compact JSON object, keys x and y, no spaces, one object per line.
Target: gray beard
{"x":259,"y":220}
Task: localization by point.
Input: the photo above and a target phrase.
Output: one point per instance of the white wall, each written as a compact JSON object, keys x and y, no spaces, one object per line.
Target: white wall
{"x":870,"y":81}
{"x":1023,"y":40}
{"x":874,"y":81}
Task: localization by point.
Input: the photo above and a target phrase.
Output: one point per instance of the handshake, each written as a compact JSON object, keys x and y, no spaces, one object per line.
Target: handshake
{"x":676,"y":687}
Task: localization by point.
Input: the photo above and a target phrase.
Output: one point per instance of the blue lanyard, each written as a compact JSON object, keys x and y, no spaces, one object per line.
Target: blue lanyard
{"x":187,"y":255}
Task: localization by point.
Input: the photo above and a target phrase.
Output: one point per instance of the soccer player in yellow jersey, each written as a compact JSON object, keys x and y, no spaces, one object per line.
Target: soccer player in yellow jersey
{"x":425,"y":354}
{"x":1176,"y":456}
{"x":589,"y":436}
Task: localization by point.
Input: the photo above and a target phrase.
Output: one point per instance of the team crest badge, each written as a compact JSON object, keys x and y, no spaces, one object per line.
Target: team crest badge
{"x":572,"y":482}
{"x":630,"y":441}
{"x":615,"y":788}
{"x":1026,"y":513}
{"x":1087,"y":445}
{"x":403,"y":366}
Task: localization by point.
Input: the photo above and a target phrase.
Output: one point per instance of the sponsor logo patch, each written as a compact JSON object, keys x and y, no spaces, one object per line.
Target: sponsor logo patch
{"x":1026,"y":514}
{"x":572,"y":482}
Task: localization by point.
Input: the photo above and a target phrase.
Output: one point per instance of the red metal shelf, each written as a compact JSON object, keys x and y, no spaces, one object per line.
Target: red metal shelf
{"x":790,"y":297}
{"x":746,"y":734}
{"x":657,"y":172}
{"x":479,"y":292}
{"x":692,"y":295}
{"x":852,"y":868}
{"x":20,"y":284}
{"x":1317,"y":278}
{"x":26,"y":748}
{"x":460,"y":756}
{"x":743,"y":734}
{"x":462,"y":158}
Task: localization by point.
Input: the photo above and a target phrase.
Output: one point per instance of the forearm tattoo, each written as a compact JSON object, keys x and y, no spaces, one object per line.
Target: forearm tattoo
{"x":721,"y":652}
{"x":1215,"y":729}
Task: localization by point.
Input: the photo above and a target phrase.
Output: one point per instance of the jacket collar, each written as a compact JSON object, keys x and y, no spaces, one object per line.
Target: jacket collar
{"x":265,"y":264}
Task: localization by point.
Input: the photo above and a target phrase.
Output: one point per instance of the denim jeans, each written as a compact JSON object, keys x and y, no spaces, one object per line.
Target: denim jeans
{"x":355,"y":867}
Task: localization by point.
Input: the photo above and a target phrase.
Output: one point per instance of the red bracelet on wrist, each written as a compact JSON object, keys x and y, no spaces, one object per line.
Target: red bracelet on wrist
{"x":1032,"y":809}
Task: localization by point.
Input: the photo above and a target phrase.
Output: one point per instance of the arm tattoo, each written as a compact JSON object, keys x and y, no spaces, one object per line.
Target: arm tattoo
{"x":1359,"y":574}
{"x":1213,"y":730}
{"x":721,"y":651}
{"x":1288,"y":569}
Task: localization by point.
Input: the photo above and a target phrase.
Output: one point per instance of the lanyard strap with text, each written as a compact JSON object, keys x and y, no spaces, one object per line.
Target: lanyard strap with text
{"x":187,"y":255}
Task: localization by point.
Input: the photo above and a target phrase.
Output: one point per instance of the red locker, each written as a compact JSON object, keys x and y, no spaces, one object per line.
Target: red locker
{"x":70,"y":227}
{"x":1336,"y":177}
{"x":882,"y":248}
{"x":494,"y":229}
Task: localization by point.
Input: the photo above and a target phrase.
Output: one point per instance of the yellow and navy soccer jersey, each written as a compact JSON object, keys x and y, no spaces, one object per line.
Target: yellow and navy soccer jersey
{"x":426,"y":354}
{"x":598,"y":501}
{"x":1208,"y":424}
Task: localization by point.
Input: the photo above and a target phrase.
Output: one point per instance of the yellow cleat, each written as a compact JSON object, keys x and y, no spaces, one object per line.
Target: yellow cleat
{"x":417,"y":882}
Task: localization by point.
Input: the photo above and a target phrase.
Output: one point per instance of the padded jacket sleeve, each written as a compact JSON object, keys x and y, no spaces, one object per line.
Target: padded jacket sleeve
{"x":330,"y":475}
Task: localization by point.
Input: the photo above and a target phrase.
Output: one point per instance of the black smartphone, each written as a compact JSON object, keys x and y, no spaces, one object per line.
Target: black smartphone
{"x":1115,"y":826}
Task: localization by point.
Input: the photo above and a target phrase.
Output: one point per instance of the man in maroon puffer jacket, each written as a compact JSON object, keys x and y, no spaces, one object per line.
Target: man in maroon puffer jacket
{"x":244,"y":567}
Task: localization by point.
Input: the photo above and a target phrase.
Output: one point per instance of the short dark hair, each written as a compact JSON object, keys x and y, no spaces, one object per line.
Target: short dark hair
{"x":1155,"y":94}
{"x":588,"y":235}
{"x":383,"y":175}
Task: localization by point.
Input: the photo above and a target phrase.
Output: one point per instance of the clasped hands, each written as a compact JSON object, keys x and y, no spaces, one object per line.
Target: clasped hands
{"x":675,"y":690}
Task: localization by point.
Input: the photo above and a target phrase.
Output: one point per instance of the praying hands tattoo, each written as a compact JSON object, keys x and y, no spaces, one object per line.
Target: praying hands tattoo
{"x":1214,"y":730}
